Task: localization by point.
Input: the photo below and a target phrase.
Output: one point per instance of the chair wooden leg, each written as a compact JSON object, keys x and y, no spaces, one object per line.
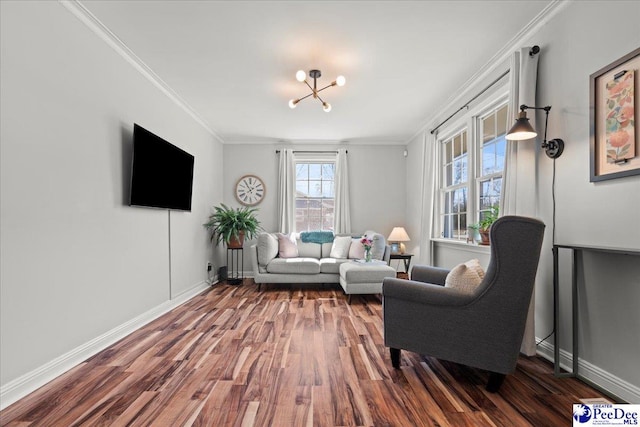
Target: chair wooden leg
{"x":495,"y":381}
{"x":395,"y":357}
{"x":349,"y":299}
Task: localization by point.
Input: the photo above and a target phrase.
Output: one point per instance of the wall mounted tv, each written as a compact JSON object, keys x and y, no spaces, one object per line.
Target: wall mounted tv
{"x":162,"y":174}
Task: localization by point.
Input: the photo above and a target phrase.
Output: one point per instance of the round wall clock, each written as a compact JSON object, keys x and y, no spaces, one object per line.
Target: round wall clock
{"x":250,"y":190}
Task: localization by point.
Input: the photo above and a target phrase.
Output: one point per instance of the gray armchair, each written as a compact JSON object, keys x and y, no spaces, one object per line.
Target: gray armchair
{"x":483,"y":329}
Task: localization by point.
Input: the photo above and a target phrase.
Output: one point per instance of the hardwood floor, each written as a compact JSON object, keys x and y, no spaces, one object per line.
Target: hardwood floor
{"x":286,"y":356}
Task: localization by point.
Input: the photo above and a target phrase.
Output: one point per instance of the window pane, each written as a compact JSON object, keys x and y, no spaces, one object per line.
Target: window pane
{"x":488,"y":128}
{"x":448,"y":153}
{"x":302,"y":188}
{"x":302,"y":171}
{"x":488,"y":159}
{"x":315,"y":188}
{"x":447,"y":203}
{"x":501,"y":121}
{"x":447,"y":230}
{"x":327,"y":189}
{"x":448,"y":170}
{"x":501,"y":146}
{"x":328,"y":171}
{"x":315,"y":171}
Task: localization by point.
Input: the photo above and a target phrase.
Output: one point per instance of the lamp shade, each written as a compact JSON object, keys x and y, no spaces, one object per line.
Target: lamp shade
{"x":522,"y":129}
{"x":398,"y":234}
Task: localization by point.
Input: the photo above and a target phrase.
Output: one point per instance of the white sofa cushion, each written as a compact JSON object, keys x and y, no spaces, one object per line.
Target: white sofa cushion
{"x":267,"y":248}
{"x":294,"y":266}
{"x":331,"y":265}
{"x":309,"y":250}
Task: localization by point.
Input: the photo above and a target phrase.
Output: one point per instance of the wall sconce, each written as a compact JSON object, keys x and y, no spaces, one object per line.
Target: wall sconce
{"x":523,"y":130}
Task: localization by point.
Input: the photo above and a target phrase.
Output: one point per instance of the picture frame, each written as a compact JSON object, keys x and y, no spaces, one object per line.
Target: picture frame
{"x":614,"y":107}
{"x":395,"y":248}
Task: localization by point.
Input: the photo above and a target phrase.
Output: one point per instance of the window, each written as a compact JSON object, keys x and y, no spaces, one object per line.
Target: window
{"x":471,"y":171}
{"x":315,"y":195}
{"x":493,"y":128}
{"x":455,"y":160}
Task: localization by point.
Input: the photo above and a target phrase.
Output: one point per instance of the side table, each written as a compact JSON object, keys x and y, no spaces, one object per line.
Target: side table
{"x":406,"y":258}
{"x":235,"y":265}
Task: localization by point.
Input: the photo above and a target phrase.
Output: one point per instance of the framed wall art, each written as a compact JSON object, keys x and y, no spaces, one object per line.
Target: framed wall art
{"x":614,"y":106}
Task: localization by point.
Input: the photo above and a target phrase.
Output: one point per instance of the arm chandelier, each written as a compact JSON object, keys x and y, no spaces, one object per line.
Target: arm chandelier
{"x":301,"y":76}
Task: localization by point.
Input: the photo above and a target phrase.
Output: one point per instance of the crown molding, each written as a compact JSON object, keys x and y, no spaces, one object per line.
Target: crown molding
{"x":101,"y":30}
{"x":540,"y":20}
{"x":255,"y":140}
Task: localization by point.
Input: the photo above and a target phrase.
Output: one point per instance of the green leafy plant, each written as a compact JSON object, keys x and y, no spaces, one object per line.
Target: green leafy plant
{"x":489,"y":218}
{"x":227,"y":223}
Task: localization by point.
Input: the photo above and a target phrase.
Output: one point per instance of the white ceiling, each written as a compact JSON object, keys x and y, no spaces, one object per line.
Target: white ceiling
{"x":234,"y":62}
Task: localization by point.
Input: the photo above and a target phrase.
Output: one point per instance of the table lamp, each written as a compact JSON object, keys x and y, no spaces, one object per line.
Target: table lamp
{"x":398,"y":234}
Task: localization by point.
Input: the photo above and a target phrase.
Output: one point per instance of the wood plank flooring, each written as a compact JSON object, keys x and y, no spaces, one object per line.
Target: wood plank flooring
{"x":285,"y":356}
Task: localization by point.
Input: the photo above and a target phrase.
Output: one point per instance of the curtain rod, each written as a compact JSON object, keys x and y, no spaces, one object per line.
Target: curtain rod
{"x":312,"y":152}
{"x":533,"y":51}
{"x":470,"y":101}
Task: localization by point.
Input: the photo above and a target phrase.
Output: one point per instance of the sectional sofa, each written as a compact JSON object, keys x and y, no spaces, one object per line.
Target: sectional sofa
{"x":313,"y":262}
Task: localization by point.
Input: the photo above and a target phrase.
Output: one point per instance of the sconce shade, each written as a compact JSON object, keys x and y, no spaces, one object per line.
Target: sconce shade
{"x":398,"y":234}
{"x":522,"y":129}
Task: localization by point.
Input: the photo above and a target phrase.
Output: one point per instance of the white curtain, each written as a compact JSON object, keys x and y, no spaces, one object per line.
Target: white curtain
{"x":342,"y":212}
{"x":517,"y":200}
{"x":429,"y":192}
{"x":286,"y":191}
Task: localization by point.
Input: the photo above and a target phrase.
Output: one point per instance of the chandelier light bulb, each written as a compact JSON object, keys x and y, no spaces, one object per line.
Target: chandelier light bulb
{"x":326,"y":107}
{"x":340,"y":81}
{"x":301,"y":76}
{"x":293,"y":103}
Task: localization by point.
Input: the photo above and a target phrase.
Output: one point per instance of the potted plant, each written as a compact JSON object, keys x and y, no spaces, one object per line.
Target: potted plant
{"x":231,"y":225}
{"x":485,"y":223}
{"x":473,"y":234}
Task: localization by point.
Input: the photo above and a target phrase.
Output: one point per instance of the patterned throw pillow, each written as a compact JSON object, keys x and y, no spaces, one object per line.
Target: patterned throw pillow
{"x":465,"y":277}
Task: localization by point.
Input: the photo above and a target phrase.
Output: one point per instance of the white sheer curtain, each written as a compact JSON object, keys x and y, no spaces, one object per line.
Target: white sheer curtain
{"x":286,"y":191}
{"x":517,"y":200}
{"x":342,"y":211}
{"x":429,"y":192}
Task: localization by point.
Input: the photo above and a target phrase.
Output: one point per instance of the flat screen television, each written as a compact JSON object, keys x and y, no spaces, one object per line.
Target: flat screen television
{"x":161,"y":175}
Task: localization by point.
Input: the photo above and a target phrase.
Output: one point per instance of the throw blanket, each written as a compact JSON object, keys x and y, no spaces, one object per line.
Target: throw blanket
{"x":319,"y":237}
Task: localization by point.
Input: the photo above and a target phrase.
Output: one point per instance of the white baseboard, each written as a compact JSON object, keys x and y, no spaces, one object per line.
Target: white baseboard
{"x":614,"y":385}
{"x":29,"y":382}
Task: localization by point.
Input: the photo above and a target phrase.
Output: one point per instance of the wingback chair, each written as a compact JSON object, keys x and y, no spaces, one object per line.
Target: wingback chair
{"x":482,"y":329}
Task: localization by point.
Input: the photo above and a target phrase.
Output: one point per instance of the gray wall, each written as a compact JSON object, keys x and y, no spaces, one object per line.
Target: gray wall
{"x":574,"y":44}
{"x":76,"y":261}
{"x":376,"y":174}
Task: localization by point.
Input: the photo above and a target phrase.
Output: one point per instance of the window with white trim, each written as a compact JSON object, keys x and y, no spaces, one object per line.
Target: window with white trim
{"x":315,"y":195}
{"x":471,"y":169}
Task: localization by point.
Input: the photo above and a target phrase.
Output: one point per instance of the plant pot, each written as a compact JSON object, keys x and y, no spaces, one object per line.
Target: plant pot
{"x":484,"y":237}
{"x":236,"y":242}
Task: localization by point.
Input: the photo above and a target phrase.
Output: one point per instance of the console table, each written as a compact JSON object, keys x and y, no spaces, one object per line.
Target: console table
{"x":575,"y":321}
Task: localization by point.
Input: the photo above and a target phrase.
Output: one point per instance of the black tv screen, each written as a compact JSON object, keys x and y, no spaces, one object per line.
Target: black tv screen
{"x":162,"y":174}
